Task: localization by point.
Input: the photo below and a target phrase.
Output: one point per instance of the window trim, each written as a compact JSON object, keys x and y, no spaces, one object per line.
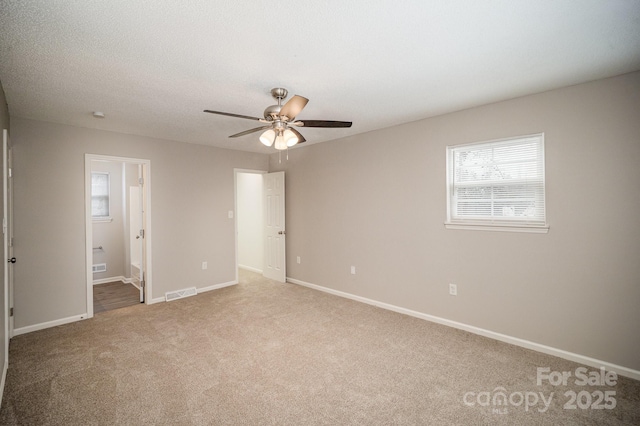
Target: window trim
{"x":99,"y":219}
{"x":505,"y":225}
{"x":107,"y":218}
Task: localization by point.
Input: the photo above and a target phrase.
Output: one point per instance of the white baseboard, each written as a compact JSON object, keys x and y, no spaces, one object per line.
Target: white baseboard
{"x":112,"y":279}
{"x":48,"y":324}
{"x":216,"y":286}
{"x":582,"y":359}
{"x":250,"y":268}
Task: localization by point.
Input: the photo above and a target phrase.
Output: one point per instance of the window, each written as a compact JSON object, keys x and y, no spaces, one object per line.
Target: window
{"x":100,"y":195}
{"x":497,"y":185}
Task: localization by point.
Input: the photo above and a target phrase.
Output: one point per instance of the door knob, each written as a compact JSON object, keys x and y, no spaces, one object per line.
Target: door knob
{"x":12,"y":260}
{"x":281,"y":233}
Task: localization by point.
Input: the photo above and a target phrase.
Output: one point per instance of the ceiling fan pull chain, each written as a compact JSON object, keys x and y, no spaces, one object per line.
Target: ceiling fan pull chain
{"x":279,"y":157}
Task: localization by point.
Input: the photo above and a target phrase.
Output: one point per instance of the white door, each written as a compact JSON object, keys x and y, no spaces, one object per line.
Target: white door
{"x":5,"y":231}
{"x":274,"y":237}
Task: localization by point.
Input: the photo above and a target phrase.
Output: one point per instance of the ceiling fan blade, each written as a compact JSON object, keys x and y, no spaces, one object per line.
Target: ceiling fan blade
{"x":325,"y":123}
{"x":301,"y":138}
{"x":294,"y":106}
{"x":232,"y":115}
{"x":246,"y":132}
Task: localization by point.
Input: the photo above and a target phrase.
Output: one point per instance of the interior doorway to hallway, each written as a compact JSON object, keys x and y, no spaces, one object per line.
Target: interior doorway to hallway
{"x":249,"y":220}
{"x":260,"y":223}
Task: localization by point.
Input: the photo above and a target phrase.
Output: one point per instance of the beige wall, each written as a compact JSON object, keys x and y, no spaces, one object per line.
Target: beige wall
{"x":110,"y":235}
{"x":191,"y":194}
{"x":4,"y":124}
{"x":377,"y":201}
{"x":114,"y":236}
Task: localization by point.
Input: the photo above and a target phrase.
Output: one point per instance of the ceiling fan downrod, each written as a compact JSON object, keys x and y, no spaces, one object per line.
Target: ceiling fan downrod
{"x":272,"y":112}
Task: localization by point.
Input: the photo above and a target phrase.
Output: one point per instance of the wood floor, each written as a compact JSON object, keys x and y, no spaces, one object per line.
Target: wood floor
{"x":109,"y":296}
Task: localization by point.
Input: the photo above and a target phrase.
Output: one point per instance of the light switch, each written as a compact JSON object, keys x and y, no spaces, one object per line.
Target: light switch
{"x":230,"y":214}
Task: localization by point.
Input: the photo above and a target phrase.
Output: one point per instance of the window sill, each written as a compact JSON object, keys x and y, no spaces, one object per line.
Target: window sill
{"x":102,"y":219}
{"x":534,"y":229}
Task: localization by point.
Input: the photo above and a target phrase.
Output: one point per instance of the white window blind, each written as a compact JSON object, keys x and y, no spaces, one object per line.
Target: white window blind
{"x":499,"y":183}
{"x":99,"y":195}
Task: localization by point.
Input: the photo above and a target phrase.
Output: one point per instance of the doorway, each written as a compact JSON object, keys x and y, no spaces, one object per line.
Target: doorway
{"x":118,"y":232}
{"x":260,"y":231}
{"x":249,"y":220}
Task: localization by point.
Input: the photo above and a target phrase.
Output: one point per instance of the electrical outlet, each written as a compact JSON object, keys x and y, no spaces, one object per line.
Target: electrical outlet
{"x":353,"y":270}
{"x":204,"y":265}
{"x":298,"y":259}
{"x":453,"y":289}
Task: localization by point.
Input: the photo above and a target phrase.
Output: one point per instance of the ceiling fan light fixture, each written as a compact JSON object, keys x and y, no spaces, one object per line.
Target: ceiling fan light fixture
{"x":268,"y":137}
{"x":280,"y":143}
{"x":290,"y":138}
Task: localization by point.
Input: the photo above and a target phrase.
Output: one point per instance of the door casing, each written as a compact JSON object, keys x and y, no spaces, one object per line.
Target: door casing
{"x":7,"y":246}
{"x":147,"y":261}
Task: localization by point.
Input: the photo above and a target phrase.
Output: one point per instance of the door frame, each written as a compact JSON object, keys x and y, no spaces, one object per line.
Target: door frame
{"x":135,"y":245}
{"x":146,"y":167}
{"x":235,"y":207}
{"x":7,"y":248}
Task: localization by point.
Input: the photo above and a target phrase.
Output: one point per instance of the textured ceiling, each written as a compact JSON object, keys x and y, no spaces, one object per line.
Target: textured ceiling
{"x":153,"y":66}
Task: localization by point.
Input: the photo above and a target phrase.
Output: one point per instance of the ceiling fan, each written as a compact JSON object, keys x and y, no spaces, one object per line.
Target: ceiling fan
{"x":280,"y":123}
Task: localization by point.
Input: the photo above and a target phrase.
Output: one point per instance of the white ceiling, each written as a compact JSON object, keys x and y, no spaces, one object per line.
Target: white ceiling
{"x":153,"y":66}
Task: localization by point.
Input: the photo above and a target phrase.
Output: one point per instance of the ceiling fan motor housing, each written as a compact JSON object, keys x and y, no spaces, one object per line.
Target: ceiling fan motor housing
{"x":272,"y":112}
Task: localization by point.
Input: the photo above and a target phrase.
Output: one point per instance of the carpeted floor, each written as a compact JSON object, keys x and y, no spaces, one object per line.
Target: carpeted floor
{"x":269,"y":353}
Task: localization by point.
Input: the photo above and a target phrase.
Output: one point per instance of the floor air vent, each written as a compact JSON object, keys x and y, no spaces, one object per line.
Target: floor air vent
{"x":180,"y":294}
